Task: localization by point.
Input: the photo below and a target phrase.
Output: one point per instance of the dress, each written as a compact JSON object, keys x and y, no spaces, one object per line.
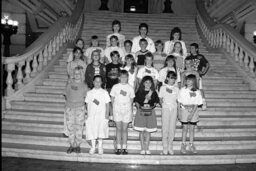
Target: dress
{"x":96,"y":123}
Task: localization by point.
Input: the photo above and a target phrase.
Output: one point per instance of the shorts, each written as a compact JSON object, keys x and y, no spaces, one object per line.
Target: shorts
{"x":122,"y":113}
{"x":183,"y":116}
{"x":145,"y":123}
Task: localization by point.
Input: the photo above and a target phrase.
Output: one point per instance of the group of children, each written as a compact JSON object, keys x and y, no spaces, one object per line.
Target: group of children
{"x":105,"y":84}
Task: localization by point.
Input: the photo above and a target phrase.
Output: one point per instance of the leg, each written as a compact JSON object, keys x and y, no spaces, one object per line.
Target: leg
{"x":100,"y":146}
{"x":142,"y":142}
{"x":118,"y":137}
{"x":92,"y":150}
{"x":165,"y":123}
{"x":184,"y":136}
{"x":147,"y":141}
{"x":79,"y":128}
{"x":124,"y":134}
{"x":70,"y":126}
{"x":172,"y":129}
{"x":191,"y":138}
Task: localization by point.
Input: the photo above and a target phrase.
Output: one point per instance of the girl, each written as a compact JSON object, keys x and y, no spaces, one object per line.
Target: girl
{"x":168,"y":99}
{"x":188,"y":71}
{"x":128,"y":49}
{"x":77,"y":62}
{"x":122,"y":95}
{"x":130,"y":66}
{"x":95,"y":68}
{"x":175,"y":36}
{"x":180,"y":57}
{"x":148,"y":69}
{"x":116,"y":28}
{"x":189,"y":99}
{"x":75,"y":94}
{"x":159,"y":55}
{"x":145,"y":122}
{"x":80,"y":44}
{"x":114,"y":46}
{"x":94,"y":46}
{"x":169,"y":65}
{"x":97,"y":102}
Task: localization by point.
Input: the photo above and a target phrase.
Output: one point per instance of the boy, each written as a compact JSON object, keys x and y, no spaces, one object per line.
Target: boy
{"x":94,"y":46}
{"x":128,"y":49}
{"x":140,"y":55}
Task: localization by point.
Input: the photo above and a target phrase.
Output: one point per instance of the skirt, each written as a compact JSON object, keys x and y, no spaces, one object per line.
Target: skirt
{"x":146,"y":123}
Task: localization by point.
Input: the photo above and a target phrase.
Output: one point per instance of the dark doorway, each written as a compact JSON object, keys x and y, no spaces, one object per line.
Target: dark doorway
{"x":136,"y":6}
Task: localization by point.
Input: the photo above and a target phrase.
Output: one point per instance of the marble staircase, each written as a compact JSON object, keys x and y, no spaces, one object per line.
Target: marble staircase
{"x":226,"y":133}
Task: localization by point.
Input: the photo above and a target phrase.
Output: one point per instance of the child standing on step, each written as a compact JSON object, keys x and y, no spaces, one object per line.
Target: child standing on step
{"x":80,"y":44}
{"x":188,"y":70}
{"x":140,"y":55}
{"x":75,"y":94}
{"x":189,"y":99}
{"x":94,"y":46}
{"x":145,"y":121}
{"x":128,"y":49}
{"x":122,"y":95}
{"x":97,"y":102}
{"x":168,"y":99}
{"x":179,"y":55}
{"x":159,"y":55}
{"x":116,"y":28}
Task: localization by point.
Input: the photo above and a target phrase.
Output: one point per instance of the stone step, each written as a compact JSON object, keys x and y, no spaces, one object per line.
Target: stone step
{"x":59,"y":153}
{"x":132,"y":144}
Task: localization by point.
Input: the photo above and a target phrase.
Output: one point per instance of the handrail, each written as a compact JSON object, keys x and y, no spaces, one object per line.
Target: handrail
{"x":222,"y":35}
{"x":39,"y":53}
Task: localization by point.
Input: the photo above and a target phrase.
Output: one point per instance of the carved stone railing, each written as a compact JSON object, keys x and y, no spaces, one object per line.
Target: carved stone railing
{"x":223,"y":36}
{"x":41,"y":52}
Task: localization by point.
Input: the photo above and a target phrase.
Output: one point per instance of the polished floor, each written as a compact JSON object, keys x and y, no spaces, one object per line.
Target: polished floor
{"x":21,"y":164}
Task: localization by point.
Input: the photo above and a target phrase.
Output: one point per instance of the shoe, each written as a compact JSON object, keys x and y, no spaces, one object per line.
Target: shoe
{"x":192,"y":148}
{"x":100,"y":151}
{"x":92,"y":151}
{"x":148,"y":152}
{"x":183,"y":148}
{"x":118,"y":151}
{"x":171,"y":152}
{"x":142,"y":152}
{"x":124,"y":151}
{"x":70,"y":150}
{"x":77,"y":149}
{"x":64,"y":135}
{"x":164,"y":153}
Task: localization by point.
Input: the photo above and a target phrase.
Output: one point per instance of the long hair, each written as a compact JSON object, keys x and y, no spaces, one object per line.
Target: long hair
{"x":181,"y":49}
{"x":144,"y":79}
{"x":193,"y":78}
{"x":170,"y":57}
{"x":175,"y":30}
{"x":171,"y":75}
{"x":114,"y":37}
{"x":75,"y":50}
{"x":133,"y":64}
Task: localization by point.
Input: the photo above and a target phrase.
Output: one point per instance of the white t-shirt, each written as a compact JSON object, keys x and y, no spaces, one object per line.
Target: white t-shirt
{"x":132,"y":77}
{"x":188,"y":97}
{"x":168,"y":47}
{"x":136,"y":45}
{"x":169,"y":95}
{"x":121,"y":39}
{"x":123,"y":93}
{"x":108,"y":50}
{"x":163,"y":74}
{"x":146,"y":71}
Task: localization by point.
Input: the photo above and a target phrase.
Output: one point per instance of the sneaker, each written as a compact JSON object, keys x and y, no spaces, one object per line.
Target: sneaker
{"x":148,"y":152}
{"x":77,"y":149}
{"x":100,"y":151}
{"x":171,"y":152}
{"x":124,"y":151}
{"x":70,"y":150}
{"x":142,"y":152}
{"x":118,"y":151}
{"x":64,"y":135}
{"x":92,"y":151}
{"x":183,"y":148}
{"x":192,"y":148}
{"x":164,"y":153}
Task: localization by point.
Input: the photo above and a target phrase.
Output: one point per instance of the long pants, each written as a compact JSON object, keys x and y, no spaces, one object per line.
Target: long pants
{"x":75,"y":118}
{"x":169,"y":117}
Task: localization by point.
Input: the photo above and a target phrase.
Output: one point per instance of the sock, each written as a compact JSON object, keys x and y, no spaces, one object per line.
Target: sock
{"x":118,"y":146}
{"x":93,"y":143}
{"x":124,"y":146}
{"x":100,"y":143}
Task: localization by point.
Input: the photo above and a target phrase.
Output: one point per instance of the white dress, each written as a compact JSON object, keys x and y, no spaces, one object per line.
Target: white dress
{"x":96,"y":123}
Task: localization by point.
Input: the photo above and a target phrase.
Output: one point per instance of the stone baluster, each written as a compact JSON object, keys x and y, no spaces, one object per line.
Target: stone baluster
{"x":27,"y":71}
{"x":65,"y":35}
{"x":224,"y":40}
{"x":252,"y":66}
{"x":9,"y":79}
{"x":246,"y":62}
{"x":228,"y":44}
{"x":231,"y":47}
{"x":34,"y":66}
{"x":241,"y":57}
{"x":50,"y":50}
{"x":220,"y":38}
{"x":19,"y":83}
{"x":40,"y":61}
{"x":54,"y":47}
{"x":45,"y":55}
{"x":61,"y":39}
{"x":236,"y":52}
{"x":58,"y":43}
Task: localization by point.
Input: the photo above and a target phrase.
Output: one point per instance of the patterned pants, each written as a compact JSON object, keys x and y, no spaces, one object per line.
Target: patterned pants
{"x":75,"y":118}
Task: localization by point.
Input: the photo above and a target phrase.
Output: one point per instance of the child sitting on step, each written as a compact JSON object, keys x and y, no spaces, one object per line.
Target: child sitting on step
{"x":168,"y":99}
{"x":97,"y":102}
{"x":76,"y":62}
{"x":188,"y":70}
{"x":179,"y":55}
{"x":159,"y":55}
{"x":75,"y":94}
{"x":140,"y":55}
{"x":145,"y":121}
{"x":122,"y":95}
{"x":80,"y":44}
{"x":94,"y":46}
{"x":189,"y":99}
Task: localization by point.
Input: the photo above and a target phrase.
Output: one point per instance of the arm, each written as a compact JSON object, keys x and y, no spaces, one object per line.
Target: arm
{"x":107,"y":111}
{"x":204,"y":69}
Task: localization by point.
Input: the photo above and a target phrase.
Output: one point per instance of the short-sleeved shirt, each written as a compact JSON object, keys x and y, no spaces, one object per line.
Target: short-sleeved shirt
{"x":140,"y":97}
{"x":169,"y":94}
{"x":136,"y":45}
{"x":199,"y":61}
{"x":112,"y":73}
{"x":123,"y":93}
{"x":163,"y":74}
{"x":188,"y":97}
{"x":75,"y":94}
{"x":110,"y":49}
{"x":146,"y":71}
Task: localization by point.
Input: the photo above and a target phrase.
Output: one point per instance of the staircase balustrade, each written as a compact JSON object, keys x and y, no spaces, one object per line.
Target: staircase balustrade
{"x":223,"y":36}
{"x":42,"y":51}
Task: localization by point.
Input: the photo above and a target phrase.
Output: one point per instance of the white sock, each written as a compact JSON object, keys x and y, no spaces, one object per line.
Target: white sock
{"x":124,"y":146}
{"x":118,"y":146}
{"x":93,"y":143}
{"x":100,"y":143}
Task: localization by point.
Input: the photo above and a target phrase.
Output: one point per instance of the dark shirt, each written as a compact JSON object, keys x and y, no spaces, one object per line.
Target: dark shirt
{"x":112,"y":73}
{"x":199,"y":61}
{"x":140,"y":98}
{"x":141,"y":57}
{"x":90,"y":73}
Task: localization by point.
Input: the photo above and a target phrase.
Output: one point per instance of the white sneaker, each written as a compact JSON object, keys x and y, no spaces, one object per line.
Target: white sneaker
{"x":148,"y":152}
{"x":92,"y":151}
{"x":100,"y":151}
{"x":142,"y":152}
